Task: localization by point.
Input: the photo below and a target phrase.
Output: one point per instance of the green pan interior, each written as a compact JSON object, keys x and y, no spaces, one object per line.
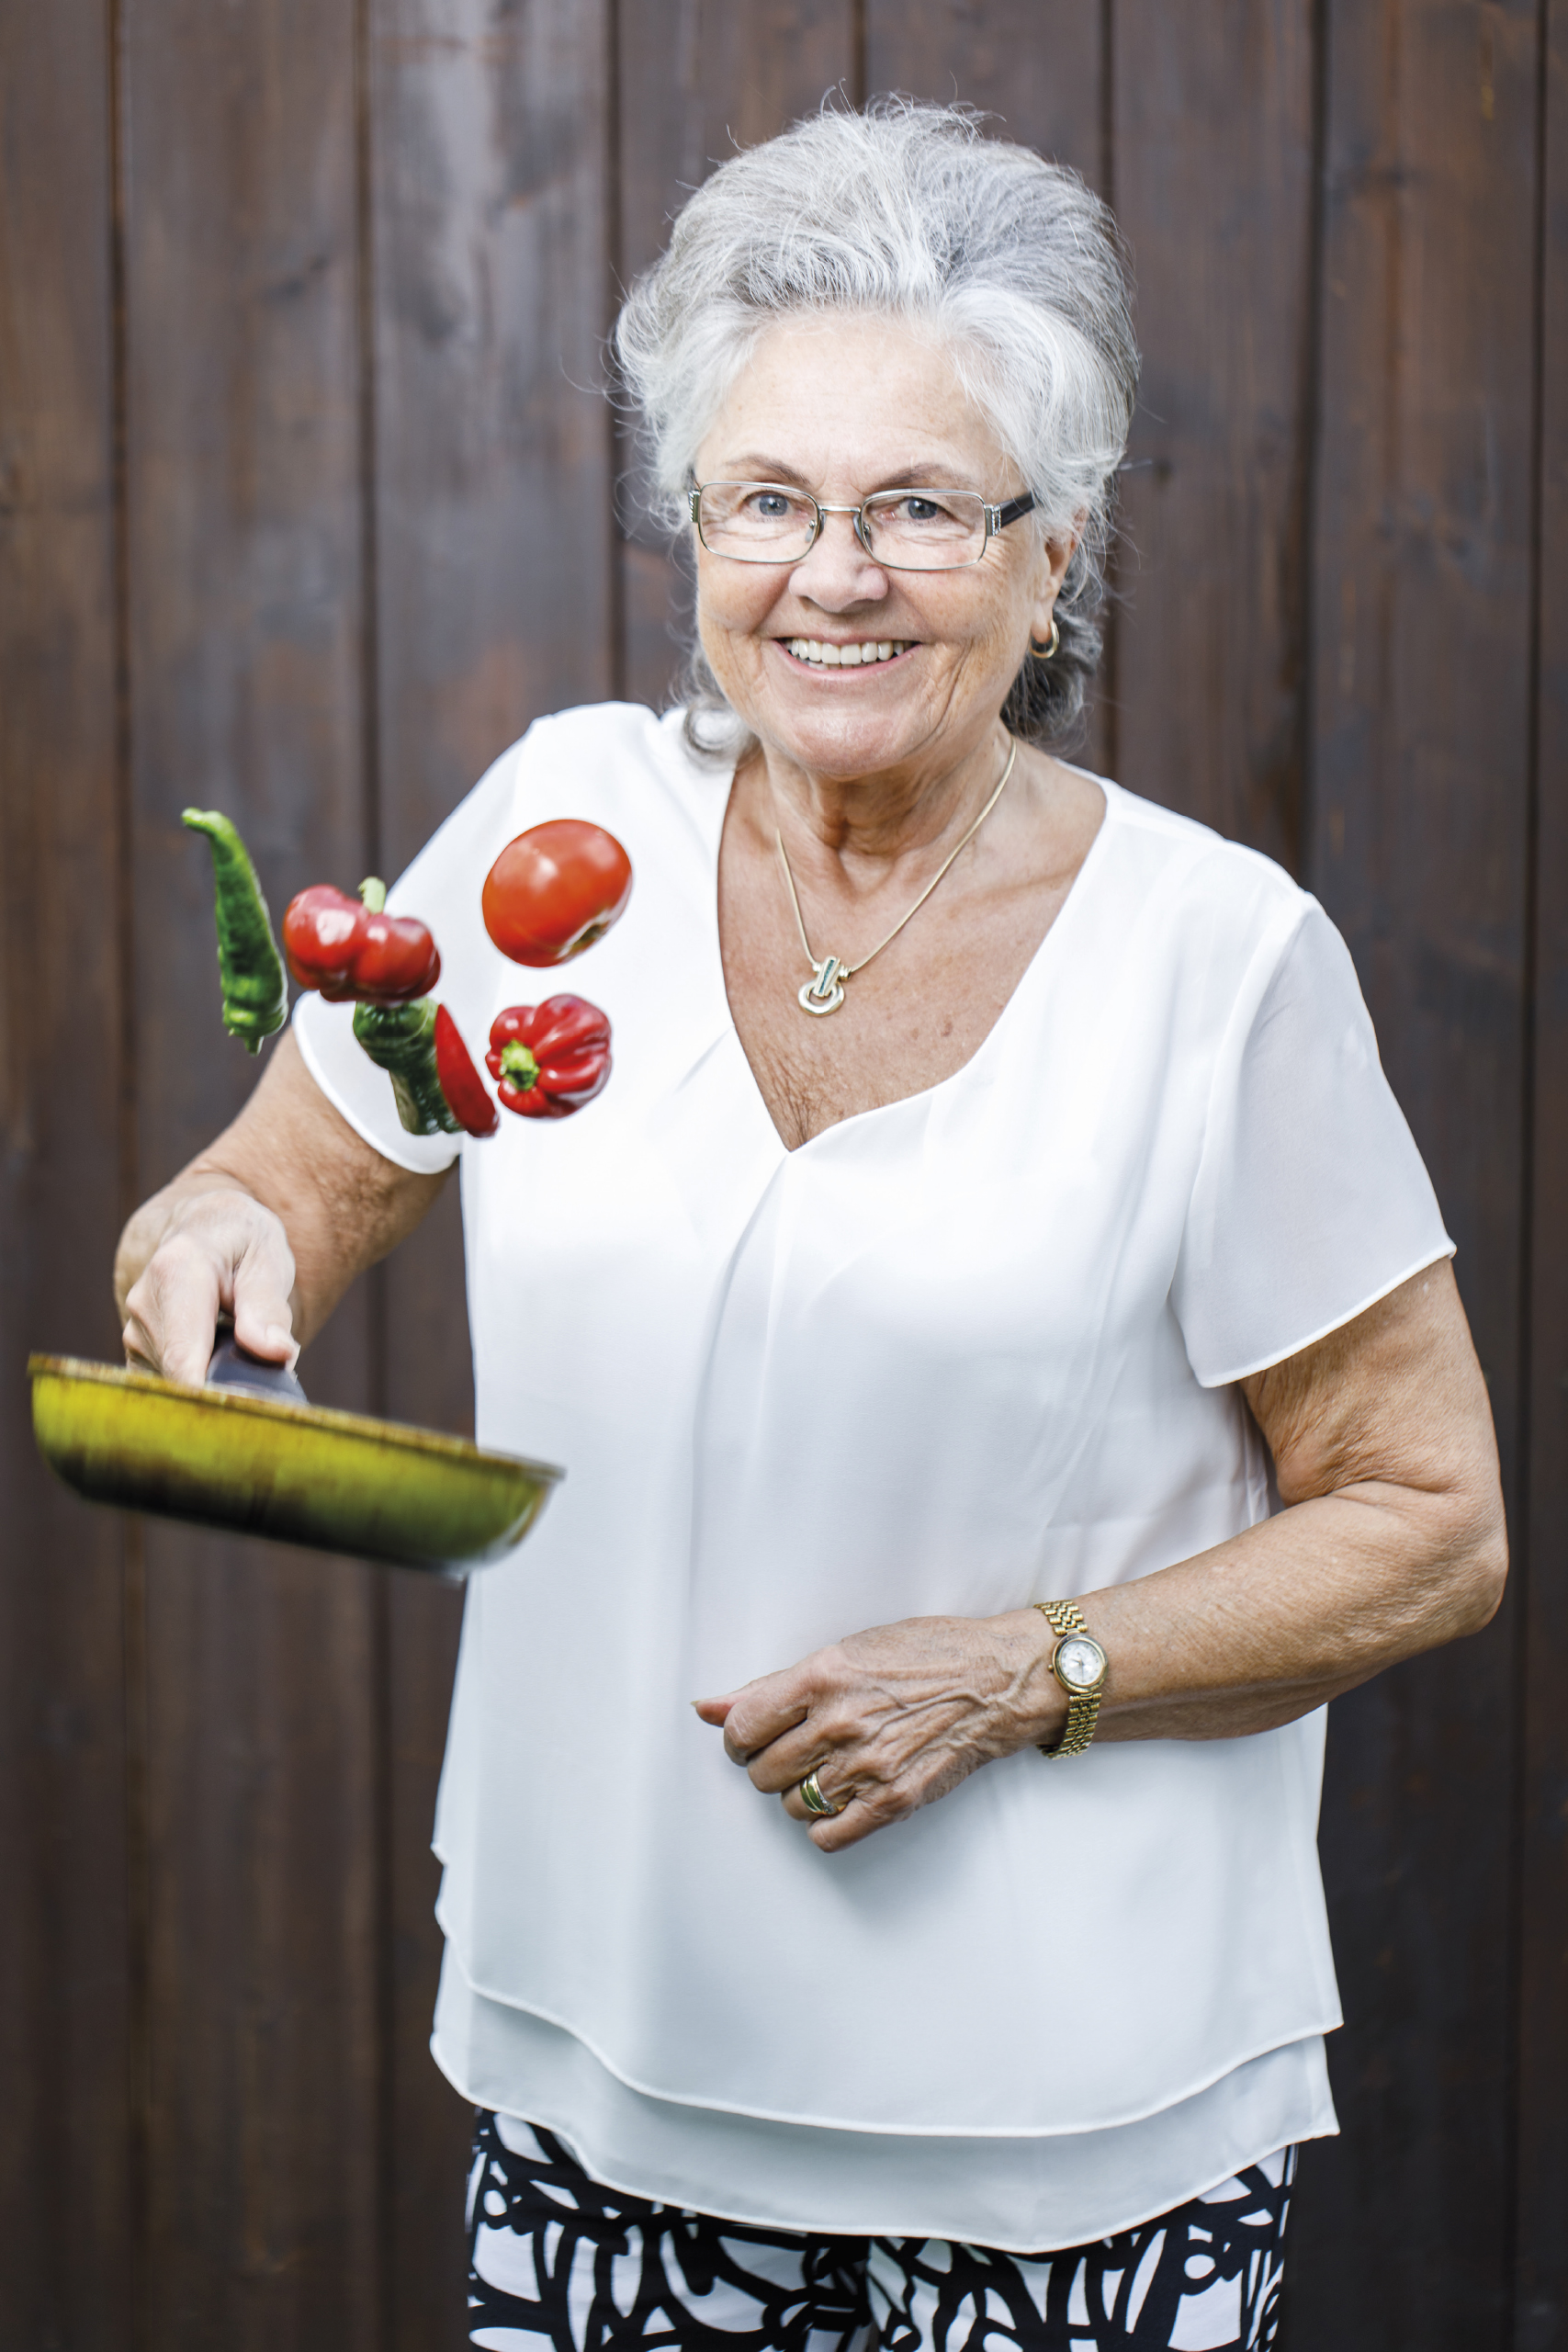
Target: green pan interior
{"x":299,"y":1474}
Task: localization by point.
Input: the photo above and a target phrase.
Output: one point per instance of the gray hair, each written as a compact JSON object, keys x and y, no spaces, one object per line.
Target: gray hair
{"x":1012,"y":262}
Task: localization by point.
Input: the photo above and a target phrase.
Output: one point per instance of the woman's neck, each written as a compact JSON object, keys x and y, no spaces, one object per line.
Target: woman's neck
{"x":877,"y":819}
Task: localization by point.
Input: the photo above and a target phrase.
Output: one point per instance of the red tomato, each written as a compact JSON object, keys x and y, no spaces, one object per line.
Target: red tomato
{"x":554,"y":890}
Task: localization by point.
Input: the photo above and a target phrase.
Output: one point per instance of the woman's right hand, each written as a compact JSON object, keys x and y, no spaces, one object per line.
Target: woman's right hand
{"x":220,"y":1253}
{"x":270,"y":1225}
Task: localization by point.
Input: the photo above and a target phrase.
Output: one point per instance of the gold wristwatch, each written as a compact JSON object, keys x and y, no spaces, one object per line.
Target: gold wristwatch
{"x":1079,"y":1664}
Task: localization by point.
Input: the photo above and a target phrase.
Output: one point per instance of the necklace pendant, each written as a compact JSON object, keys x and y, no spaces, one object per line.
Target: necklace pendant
{"x":824,"y":992}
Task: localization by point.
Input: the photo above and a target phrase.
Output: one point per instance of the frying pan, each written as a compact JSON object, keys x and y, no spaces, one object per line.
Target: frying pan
{"x":248,"y":1454}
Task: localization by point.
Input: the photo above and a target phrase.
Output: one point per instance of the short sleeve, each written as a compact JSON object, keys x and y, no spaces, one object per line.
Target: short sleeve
{"x":443,"y":887}
{"x":1311,"y":1201}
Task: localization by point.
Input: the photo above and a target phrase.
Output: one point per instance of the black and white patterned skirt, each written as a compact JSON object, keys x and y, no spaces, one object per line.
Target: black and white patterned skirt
{"x":554,"y":2256}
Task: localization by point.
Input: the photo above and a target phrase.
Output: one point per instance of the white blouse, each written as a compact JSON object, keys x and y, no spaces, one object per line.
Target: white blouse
{"x":969,"y":1349}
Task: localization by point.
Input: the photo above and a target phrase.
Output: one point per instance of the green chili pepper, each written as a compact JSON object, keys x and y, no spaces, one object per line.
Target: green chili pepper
{"x":256,"y":994}
{"x":400,"y":1039}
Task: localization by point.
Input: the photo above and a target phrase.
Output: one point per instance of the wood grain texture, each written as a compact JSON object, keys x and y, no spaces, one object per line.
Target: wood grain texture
{"x":492,"y":457}
{"x":430,"y":2127}
{"x":246,"y":637}
{"x":1419,"y":847}
{"x":1540,"y":2057}
{"x":371,"y":247}
{"x":491,"y":181}
{"x":1035,"y":67}
{"x":67,"y":2189}
{"x":698,"y":81}
{"x":1212,"y":145}
{"x":266,"y":2218}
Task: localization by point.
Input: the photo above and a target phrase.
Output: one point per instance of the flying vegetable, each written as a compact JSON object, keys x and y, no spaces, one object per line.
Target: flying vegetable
{"x":550,"y":1058}
{"x":352,"y":949}
{"x":435,"y":1084}
{"x":256,"y":994}
{"x":554,"y":890}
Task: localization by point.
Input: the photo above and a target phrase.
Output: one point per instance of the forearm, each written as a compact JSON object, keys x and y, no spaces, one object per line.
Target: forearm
{"x":1240,"y":1639}
{"x":1392,"y":1540}
{"x":1277,"y":1621}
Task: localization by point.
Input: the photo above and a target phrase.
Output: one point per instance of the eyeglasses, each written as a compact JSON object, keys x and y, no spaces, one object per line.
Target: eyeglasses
{"x":906,"y":530}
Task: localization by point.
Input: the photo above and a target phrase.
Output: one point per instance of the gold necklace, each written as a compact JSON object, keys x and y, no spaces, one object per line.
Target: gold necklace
{"x":824,"y":991}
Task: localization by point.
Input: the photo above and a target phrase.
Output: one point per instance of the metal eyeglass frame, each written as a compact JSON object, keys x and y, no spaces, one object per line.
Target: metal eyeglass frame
{"x":997,"y":519}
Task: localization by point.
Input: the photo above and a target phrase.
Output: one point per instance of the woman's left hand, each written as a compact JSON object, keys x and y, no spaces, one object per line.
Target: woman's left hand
{"x":1392,"y":1541}
{"x":892,"y":1719}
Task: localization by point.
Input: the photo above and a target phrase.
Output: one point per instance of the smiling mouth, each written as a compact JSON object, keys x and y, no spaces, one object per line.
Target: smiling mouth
{"x":816,"y":652}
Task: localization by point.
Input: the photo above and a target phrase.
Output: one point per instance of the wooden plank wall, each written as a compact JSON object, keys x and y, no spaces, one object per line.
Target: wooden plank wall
{"x":307,"y":507}
{"x":1420,"y":845}
{"x":1541,"y":1916}
{"x":72,"y":2142}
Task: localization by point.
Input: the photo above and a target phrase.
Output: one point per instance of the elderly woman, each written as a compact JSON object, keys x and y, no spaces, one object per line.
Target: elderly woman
{"x":1000,"y":1336}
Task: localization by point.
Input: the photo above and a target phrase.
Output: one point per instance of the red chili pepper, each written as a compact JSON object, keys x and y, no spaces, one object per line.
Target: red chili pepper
{"x":555,"y":890}
{"x":347,"y":947}
{"x":460,"y":1081}
{"x":550,"y":1058}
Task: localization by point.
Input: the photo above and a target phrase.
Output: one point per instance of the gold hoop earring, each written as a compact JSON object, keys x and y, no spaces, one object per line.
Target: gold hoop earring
{"x":1044,"y":652}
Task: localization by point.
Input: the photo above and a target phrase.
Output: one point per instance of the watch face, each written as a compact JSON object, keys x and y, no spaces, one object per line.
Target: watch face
{"x":1079,"y":1662}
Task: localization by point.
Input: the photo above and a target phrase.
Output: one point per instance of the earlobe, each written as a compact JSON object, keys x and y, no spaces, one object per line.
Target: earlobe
{"x":1044,"y":634}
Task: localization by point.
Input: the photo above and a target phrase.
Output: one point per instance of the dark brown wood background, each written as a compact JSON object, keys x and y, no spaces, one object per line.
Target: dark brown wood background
{"x":307,"y":507}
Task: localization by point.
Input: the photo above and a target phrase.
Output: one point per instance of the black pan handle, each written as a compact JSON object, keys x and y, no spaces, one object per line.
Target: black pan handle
{"x":233,"y":1366}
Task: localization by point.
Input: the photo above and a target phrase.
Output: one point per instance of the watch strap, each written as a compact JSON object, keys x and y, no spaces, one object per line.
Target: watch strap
{"x":1065,"y":1617}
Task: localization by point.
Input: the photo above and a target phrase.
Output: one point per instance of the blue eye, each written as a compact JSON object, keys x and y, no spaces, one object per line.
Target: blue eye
{"x":771,"y":506}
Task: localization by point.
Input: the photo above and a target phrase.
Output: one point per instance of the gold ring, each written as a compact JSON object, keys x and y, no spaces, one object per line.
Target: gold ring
{"x":812,"y":1798}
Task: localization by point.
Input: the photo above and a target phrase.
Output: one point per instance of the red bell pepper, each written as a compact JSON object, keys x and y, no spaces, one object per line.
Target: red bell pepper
{"x":459,"y":1081}
{"x":347,"y":947}
{"x":550,"y":1058}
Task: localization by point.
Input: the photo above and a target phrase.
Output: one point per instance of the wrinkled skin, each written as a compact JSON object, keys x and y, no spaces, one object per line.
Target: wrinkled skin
{"x":1381,"y":1437}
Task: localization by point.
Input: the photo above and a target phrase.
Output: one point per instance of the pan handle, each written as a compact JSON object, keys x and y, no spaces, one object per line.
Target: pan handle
{"x":233,"y":1366}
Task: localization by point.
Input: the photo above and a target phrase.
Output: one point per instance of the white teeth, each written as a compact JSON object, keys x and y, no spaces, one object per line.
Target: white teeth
{"x":846,"y":657}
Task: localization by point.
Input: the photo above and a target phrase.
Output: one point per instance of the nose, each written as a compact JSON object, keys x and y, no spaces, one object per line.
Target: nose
{"x":836,"y":570}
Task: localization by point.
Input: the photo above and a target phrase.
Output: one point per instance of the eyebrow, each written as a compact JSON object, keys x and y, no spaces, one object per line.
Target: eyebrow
{"x":921,"y":476}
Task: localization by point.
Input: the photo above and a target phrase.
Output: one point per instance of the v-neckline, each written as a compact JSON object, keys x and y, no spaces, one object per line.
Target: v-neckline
{"x":921,"y":1094}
